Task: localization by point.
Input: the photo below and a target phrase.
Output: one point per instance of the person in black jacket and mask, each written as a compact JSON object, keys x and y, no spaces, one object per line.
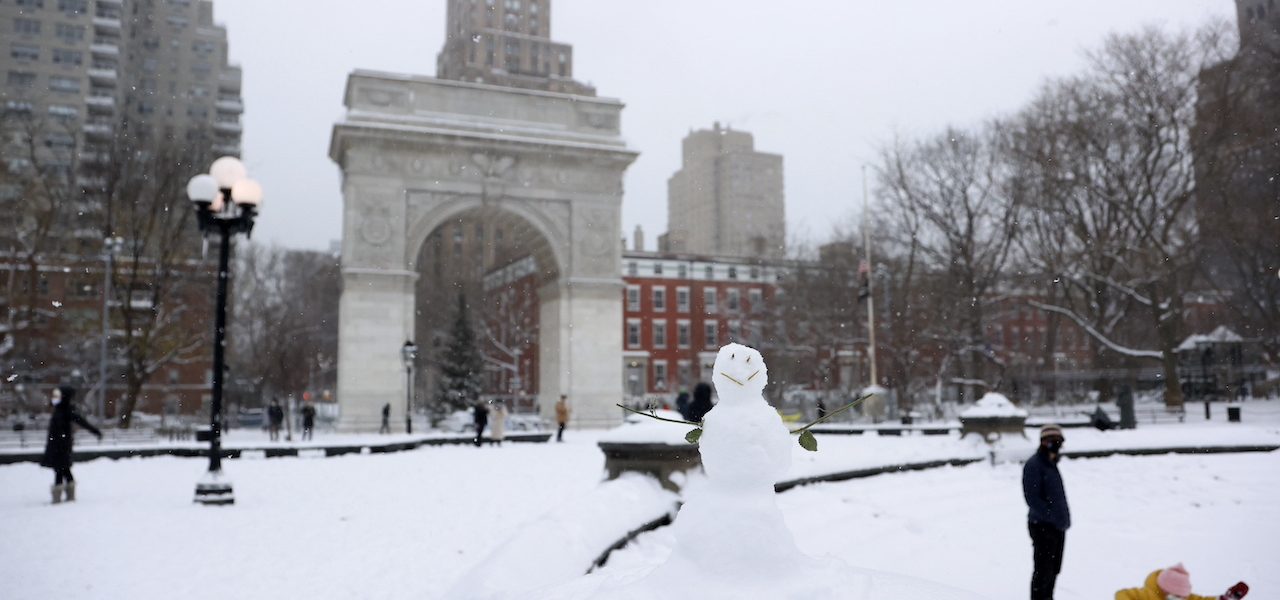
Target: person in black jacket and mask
{"x":58,"y":448}
{"x":1048,"y":517}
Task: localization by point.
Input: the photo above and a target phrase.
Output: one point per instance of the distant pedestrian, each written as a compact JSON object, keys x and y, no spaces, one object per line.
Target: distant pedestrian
{"x":562,"y":416}
{"x":308,"y":421}
{"x":701,"y":402}
{"x":275,"y":419}
{"x":58,"y":449}
{"x":682,"y":404}
{"x":386,"y":419}
{"x":481,"y":418}
{"x":499,"y":423}
{"x":1175,"y":582}
{"x":1048,"y":517}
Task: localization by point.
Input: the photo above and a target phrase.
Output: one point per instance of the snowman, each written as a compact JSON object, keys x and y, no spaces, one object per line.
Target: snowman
{"x":730,"y":530}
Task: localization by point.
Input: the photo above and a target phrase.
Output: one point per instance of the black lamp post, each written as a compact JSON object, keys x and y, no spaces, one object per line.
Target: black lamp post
{"x":226,"y":202}
{"x":409,"y":353}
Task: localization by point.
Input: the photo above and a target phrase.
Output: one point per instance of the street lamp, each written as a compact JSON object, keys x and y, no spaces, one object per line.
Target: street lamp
{"x":226,"y":202}
{"x":408,"y":353}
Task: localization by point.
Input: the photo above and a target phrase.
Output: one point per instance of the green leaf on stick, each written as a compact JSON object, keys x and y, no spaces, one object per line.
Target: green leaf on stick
{"x":693,"y":436}
{"x":808,"y":442}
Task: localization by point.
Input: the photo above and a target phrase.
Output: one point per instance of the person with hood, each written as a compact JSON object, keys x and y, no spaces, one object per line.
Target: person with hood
{"x":308,"y":421}
{"x":481,"y":417}
{"x":386,"y":419}
{"x":499,"y":422}
{"x":701,"y":404}
{"x":275,"y":418}
{"x":58,"y":449}
{"x":1175,"y":583}
{"x":1048,"y":517}
{"x":682,"y":404}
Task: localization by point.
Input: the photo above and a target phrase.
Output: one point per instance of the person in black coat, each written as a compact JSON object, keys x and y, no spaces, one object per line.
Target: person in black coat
{"x":275,"y":418}
{"x":58,"y":449}
{"x":701,"y":404}
{"x":481,"y":417}
{"x":308,"y":420}
{"x":1048,"y":517}
{"x":682,"y":404}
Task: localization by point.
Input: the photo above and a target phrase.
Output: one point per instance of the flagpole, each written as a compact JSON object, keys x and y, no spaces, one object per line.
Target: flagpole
{"x":871,"y":296}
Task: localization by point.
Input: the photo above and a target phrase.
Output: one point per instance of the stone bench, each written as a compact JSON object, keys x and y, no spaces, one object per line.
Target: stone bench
{"x":991,"y":429}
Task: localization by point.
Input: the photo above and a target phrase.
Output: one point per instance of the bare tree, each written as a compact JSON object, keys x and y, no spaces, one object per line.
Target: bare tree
{"x":954,"y":196}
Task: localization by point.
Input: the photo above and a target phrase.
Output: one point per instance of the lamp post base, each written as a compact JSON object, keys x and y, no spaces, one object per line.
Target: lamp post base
{"x":214,"y":489}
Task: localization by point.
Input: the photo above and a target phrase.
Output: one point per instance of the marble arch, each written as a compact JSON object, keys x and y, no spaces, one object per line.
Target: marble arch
{"x":417,"y":151}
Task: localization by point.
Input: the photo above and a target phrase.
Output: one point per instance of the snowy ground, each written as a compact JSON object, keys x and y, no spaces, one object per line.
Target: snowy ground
{"x":966,"y":526}
{"x":411,"y":524}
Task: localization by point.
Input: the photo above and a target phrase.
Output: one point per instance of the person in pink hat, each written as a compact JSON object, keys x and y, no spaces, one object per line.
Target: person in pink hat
{"x":1174,"y":583}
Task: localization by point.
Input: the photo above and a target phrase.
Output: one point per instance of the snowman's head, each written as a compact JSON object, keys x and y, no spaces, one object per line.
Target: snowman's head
{"x":739,"y":370}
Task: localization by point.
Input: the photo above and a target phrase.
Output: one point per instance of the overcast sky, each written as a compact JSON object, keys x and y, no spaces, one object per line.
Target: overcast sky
{"x":824,"y":83}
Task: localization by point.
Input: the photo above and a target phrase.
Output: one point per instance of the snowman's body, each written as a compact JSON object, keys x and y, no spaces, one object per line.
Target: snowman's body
{"x":744,"y":442}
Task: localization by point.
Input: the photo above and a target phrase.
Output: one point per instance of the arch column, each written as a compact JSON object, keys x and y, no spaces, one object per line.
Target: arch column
{"x":580,"y":335}
{"x":375,"y":317}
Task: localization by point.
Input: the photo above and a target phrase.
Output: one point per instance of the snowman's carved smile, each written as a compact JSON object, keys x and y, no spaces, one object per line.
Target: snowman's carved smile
{"x":753,"y":376}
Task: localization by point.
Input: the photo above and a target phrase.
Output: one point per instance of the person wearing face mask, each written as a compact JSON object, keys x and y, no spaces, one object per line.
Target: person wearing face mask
{"x":1048,"y":517}
{"x":1174,"y":583}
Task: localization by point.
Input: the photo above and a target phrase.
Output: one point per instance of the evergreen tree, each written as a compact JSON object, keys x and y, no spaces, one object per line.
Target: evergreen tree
{"x":461,"y":367}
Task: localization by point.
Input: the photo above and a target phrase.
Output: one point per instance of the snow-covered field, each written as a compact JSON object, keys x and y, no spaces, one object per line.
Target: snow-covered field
{"x":413,"y":524}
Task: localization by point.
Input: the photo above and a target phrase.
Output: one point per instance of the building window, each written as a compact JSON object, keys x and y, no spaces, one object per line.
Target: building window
{"x":631,"y":269}
{"x":735,"y":330}
{"x":26,"y":26}
{"x":24,"y":52}
{"x":735,"y":299}
{"x":709,"y":300}
{"x":755,"y":272}
{"x":660,"y":375}
{"x":733,"y":272}
{"x":63,"y":112}
{"x":64,"y":84}
{"x":682,"y":333}
{"x":74,"y":7}
{"x":756,"y":298}
{"x":660,"y":333}
{"x":684,"y":374}
{"x":633,"y":333}
{"x":682,"y":299}
{"x":709,"y":272}
{"x":657,"y":268}
{"x":659,"y":298}
{"x":709,"y":335}
{"x":682,"y":271}
{"x":19,"y":79}
{"x":31,"y":3}
{"x":633,"y":298}
{"x":67,"y":57}
{"x":70,"y":33}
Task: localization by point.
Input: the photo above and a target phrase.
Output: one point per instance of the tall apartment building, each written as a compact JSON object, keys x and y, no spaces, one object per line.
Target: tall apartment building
{"x":1237,"y":152}
{"x":507,"y":43}
{"x":726,"y":199}
{"x":83,"y":72}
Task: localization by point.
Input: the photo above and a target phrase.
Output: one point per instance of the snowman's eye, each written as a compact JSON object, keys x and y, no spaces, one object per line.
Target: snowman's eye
{"x":733,"y":356}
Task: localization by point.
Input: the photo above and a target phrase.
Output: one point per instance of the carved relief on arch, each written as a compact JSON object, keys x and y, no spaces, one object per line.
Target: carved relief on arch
{"x":596,"y":233}
{"x":377,"y":228}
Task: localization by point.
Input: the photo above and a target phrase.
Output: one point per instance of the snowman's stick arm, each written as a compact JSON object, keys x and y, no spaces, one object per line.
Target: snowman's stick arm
{"x":832,"y":414}
{"x":645,"y":414}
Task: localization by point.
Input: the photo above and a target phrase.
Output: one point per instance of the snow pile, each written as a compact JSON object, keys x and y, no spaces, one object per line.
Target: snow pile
{"x":579,"y":530}
{"x":1221,"y":335}
{"x":730,"y":537}
{"x":637,"y":429}
{"x":993,"y":405}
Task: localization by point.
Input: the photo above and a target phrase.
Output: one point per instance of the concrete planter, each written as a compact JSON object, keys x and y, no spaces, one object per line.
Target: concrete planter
{"x":991,"y":429}
{"x":655,"y":459}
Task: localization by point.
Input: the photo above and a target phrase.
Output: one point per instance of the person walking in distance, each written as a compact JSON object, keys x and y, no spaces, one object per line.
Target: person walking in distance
{"x":562,"y":416}
{"x":481,"y":418}
{"x":275,"y":418}
{"x":1048,"y":517}
{"x":58,"y":448}
{"x":386,"y":419}
{"x":308,"y":420}
{"x":499,"y":422}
